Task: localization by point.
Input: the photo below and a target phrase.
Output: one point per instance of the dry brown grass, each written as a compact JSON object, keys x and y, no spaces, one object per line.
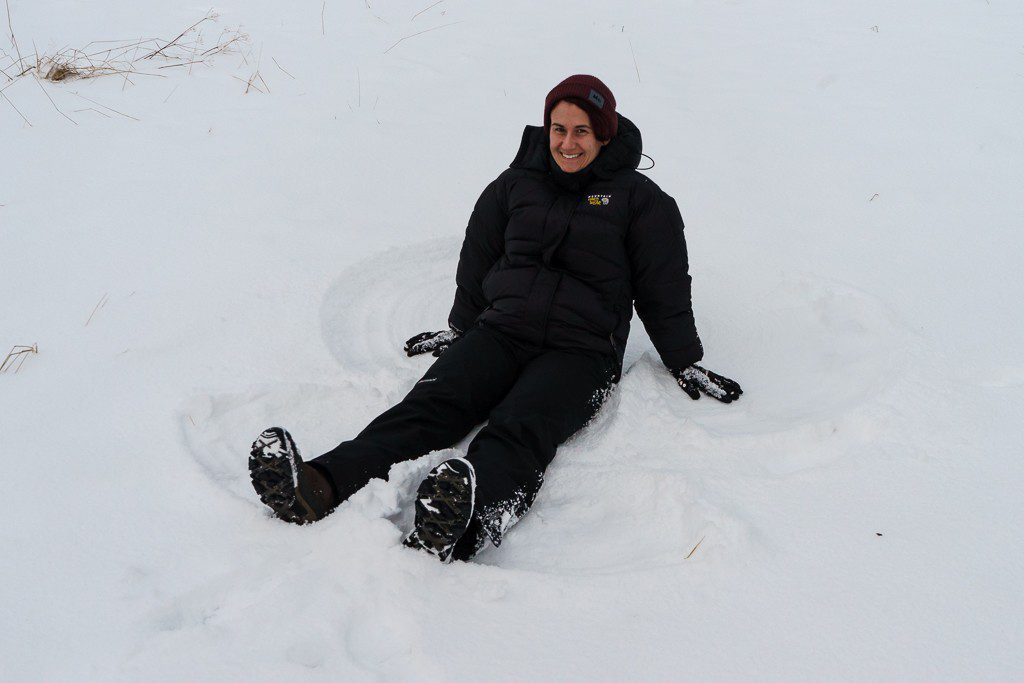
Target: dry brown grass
{"x":124,"y":58}
{"x":694,"y":548}
{"x":16,"y":358}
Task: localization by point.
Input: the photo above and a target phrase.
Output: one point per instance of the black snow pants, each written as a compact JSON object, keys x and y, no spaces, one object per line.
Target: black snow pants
{"x":533,"y":399}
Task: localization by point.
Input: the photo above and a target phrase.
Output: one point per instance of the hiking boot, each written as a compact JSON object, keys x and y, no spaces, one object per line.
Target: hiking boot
{"x":444,"y":509}
{"x":296,"y":491}
{"x":471,"y":543}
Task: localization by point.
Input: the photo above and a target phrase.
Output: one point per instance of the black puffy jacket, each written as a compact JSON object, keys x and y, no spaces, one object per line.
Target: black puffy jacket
{"x":558,"y":260}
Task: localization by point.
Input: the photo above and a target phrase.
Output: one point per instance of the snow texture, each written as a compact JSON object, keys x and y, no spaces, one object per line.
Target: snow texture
{"x":498,"y":518}
{"x":197,"y":264}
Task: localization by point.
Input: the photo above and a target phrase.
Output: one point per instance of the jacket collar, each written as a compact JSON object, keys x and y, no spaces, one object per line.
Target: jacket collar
{"x":623,"y":152}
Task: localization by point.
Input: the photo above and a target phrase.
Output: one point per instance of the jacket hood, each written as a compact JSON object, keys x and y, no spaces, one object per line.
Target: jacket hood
{"x":621,"y":153}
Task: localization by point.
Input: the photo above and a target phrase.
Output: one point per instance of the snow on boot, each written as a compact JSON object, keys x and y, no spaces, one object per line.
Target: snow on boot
{"x":444,"y":508}
{"x":294,"y":490}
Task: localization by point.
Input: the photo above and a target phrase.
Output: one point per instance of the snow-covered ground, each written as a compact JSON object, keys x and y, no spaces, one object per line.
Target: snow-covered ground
{"x":196,"y":263}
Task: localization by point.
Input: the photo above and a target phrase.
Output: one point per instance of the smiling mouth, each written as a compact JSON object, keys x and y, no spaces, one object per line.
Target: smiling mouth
{"x":571,"y":156}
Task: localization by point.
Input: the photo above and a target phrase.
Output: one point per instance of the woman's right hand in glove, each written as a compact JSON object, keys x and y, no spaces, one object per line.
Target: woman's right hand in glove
{"x":436,"y":342}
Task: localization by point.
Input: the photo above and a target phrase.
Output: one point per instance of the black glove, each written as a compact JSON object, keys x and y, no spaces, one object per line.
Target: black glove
{"x":696,"y":379}
{"x":437,"y":342}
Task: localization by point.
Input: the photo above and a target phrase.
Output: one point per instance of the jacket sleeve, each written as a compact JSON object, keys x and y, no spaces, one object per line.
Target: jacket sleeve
{"x":483,"y":246}
{"x":661,"y":283}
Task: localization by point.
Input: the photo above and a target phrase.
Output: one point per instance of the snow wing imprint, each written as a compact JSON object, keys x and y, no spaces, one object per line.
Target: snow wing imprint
{"x":364,"y":332}
{"x":841,"y":348}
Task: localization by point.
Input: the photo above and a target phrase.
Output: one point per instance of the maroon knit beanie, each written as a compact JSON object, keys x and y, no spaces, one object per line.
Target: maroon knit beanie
{"x":593,"y":96}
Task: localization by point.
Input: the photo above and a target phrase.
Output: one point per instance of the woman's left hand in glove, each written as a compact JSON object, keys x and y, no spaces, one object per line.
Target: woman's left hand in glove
{"x":696,"y":379}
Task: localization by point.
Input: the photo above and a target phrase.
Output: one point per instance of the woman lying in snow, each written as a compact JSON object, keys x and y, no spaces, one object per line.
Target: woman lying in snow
{"x":558,"y":250}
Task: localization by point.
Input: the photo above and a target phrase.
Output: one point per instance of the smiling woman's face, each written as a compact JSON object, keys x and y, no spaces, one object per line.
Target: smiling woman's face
{"x":571,"y":139}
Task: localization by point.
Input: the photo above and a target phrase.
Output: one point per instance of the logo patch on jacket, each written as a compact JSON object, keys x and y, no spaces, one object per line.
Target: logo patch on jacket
{"x":599,"y":199}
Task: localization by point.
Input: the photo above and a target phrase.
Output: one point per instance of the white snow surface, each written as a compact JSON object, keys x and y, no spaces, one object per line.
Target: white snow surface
{"x":851,"y":176}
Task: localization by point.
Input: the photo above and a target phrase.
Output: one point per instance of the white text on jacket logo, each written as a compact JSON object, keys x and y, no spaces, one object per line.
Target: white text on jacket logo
{"x":599,"y":199}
